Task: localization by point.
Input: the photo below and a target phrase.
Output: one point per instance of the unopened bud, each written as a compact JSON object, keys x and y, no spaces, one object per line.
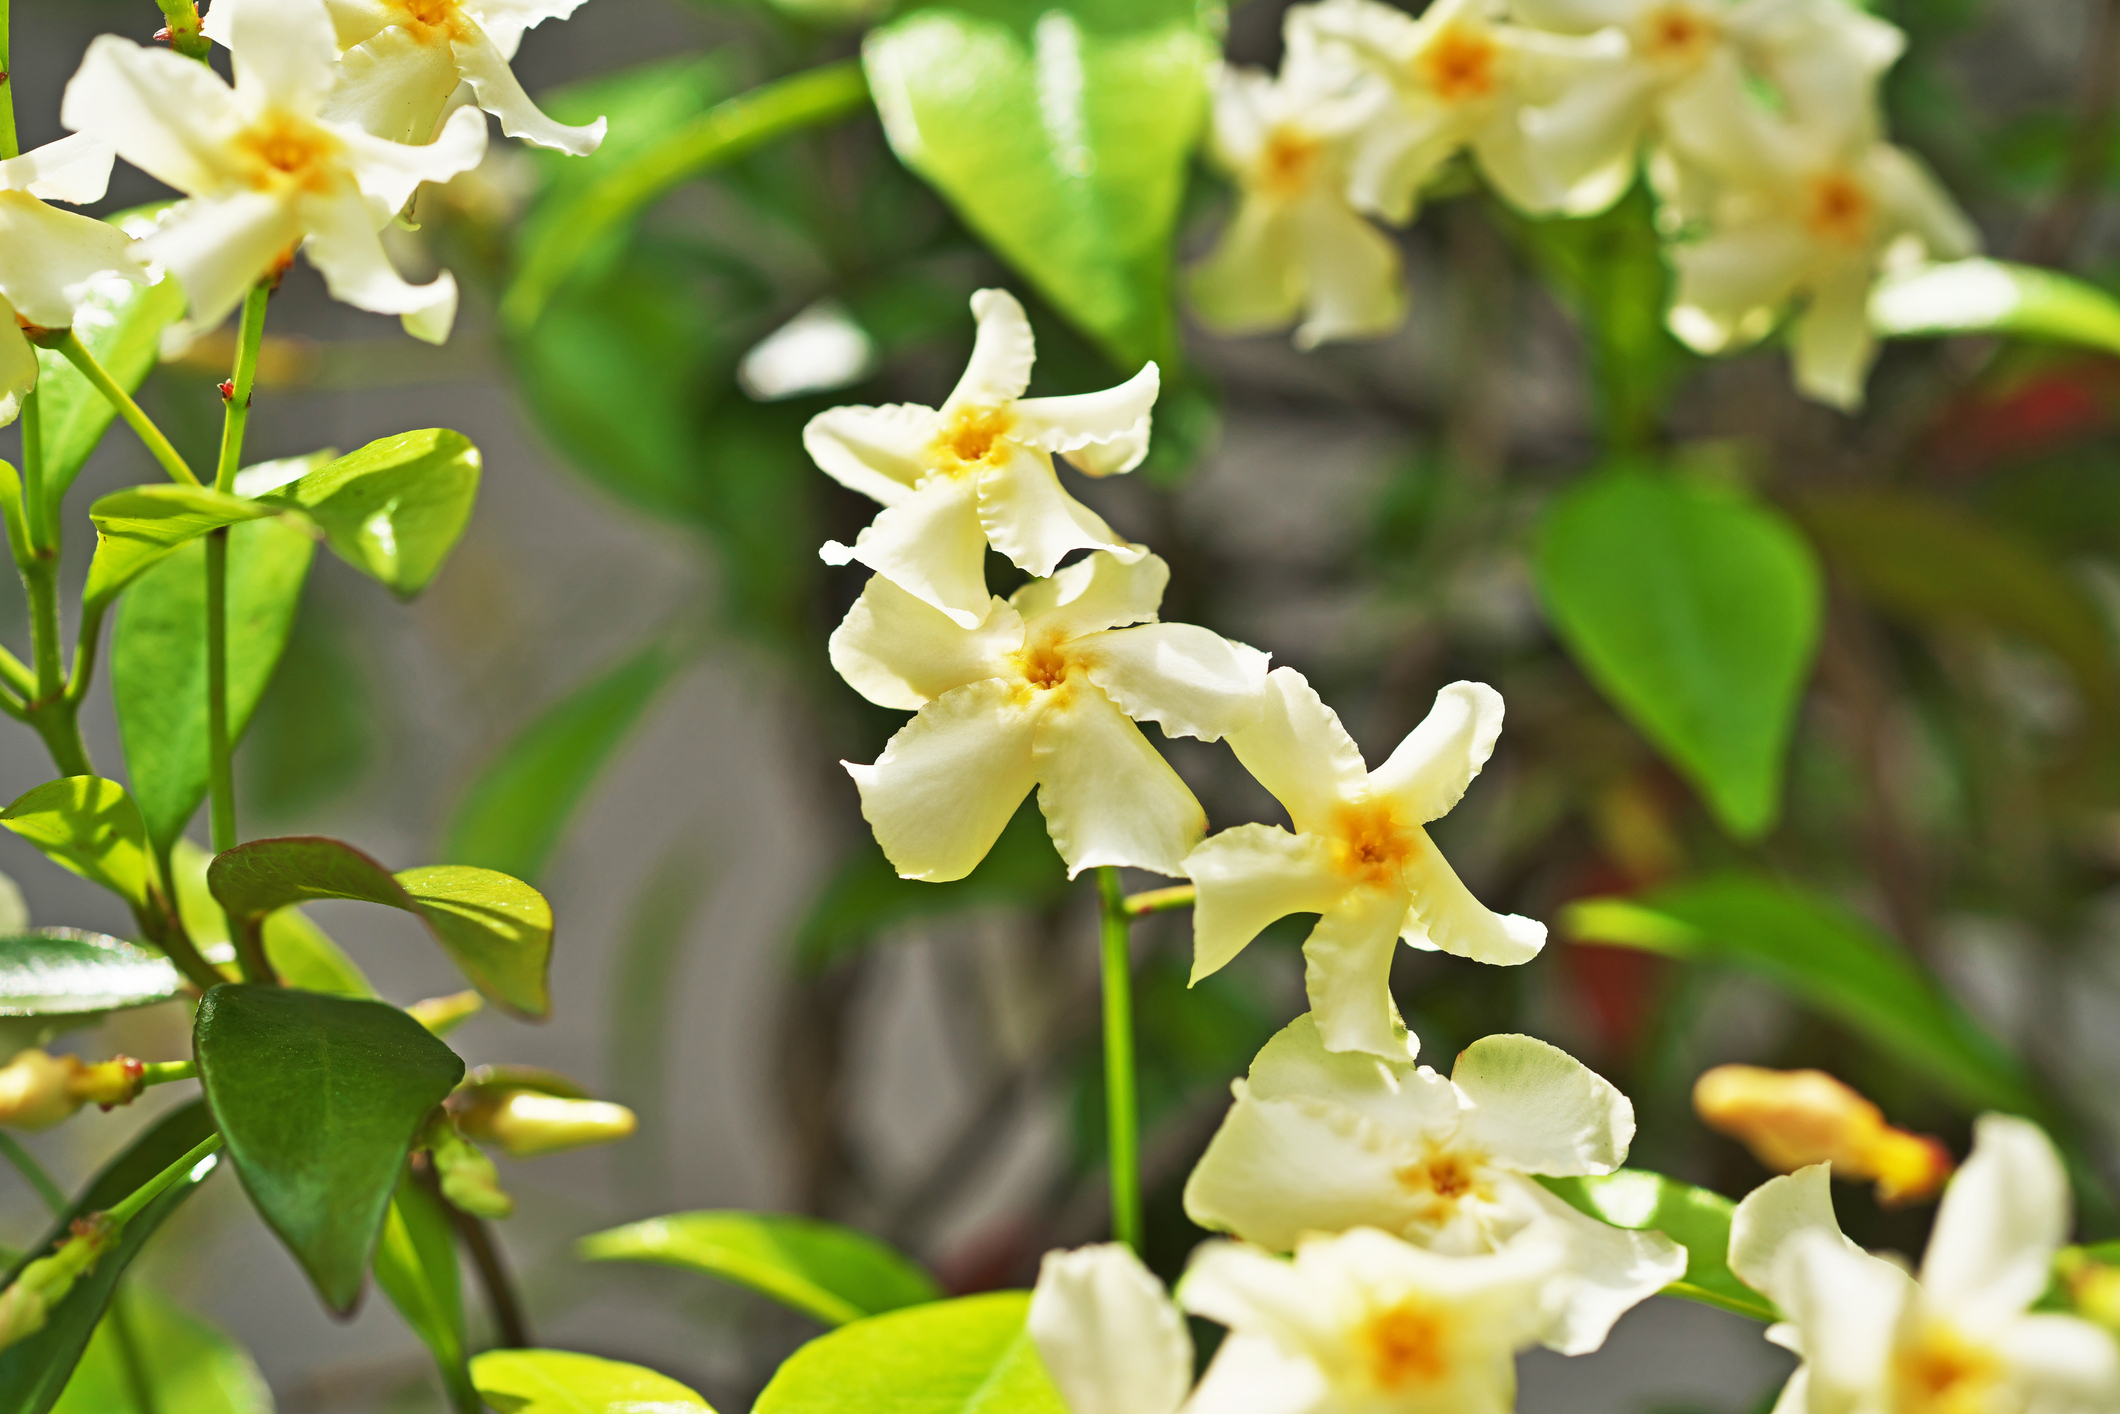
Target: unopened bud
{"x":526,"y":1123}
{"x":228,"y":389}
{"x":110,"y":1083}
{"x":468,"y":1178}
{"x":27,"y":1302}
{"x":37,"y":1090}
{"x":441,"y":1015}
{"x":1792,"y":1118}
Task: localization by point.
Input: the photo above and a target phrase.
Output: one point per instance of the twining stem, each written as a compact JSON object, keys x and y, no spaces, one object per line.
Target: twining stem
{"x":185,"y":35}
{"x":511,"y":1329}
{"x":221,"y":779}
{"x":1121,"y":1107}
{"x":76,"y":353}
{"x":132,"y":1354}
{"x":54,"y":1197}
{"x":129,"y":1207}
{"x":10,"y":146}
{"x":236,"y":415}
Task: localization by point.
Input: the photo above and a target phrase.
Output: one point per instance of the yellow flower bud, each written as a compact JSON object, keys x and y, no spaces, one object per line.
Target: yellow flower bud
{"x":525,"y":1123}
{"x":27,"y":1302}
{"x":1790,"y":1119}
{"x":37,"y":1090}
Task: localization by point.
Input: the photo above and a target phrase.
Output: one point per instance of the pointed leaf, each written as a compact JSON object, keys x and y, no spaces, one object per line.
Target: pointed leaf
{"x":823,"y":1270}
{"x":395,"y":508}
{"x":65,"y":972}
{"x":122,"y":324}
{"x":1697,"y":1219}
{"x":138,"y":529}
{"x":1995,"y":297}
{"x":415,"y":1264}
{"x":1696,"y":611}
{"x":91,"y":826}
{"x":563,"y":1382}
{"x":192,"y":1367}
{"x":319,"y":1098}
{"x":302,"y":954}
{"x":969,"y":1356}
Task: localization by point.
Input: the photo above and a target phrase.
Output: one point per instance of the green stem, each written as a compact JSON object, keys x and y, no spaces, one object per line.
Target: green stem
{"x":54,"y":1197}
{"x":236,"y":416}
{"x":10,"y":146}
{"x":220,"y":758}
{"x":85,"y":641}
{"x":1121,"y":1109}
{"x":76,"y":353}
{"x":129,"y":1207}
{"x":34,"y":521}
{"x":139,"y":1382}
{"x":184,"y":30}
{"x":1168,"y":900}
{"x":163,"y":1072}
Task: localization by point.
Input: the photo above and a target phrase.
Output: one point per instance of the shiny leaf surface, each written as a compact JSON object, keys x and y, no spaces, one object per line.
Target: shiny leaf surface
{"x":1697,"y":1219}
{"x":415,"y":1264}
{"x":565,"y":1382}
{"x":89,"y":825}
{"x":122,"y":324}
{"x":138,"y":529}
{"x":59,"y":972}
{"x":395,"y":508}
{"x":969,"y":1356}
{"x":1995,"y":297}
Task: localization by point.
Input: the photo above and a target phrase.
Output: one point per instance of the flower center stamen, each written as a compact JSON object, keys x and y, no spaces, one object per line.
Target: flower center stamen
{"x":1288,"y":164}
{"x":1370,"y":844}
{"x":425,"y":17}
{"x":1941,"y":1372}
{"x":975,"y":437}
{"x":1461,"y":65}
{"x":1044,"y":665}
{"x":287,"y":152}
{"x":1838,"y":209}
{"x":1407,"y":1345}
{"x":1677,"y":34}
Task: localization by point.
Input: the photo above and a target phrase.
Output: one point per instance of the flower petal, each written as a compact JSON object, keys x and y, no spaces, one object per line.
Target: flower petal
{"x":54,"y":257}
{"x":1248,"y":877}
{"x":1188,"y":680}
{"x":1731,"y":283}
{"x":1099,"y":592}
{"x":931,"y":546}
{"x":1109,"y":1335}
{"x":1347,"y":972}
{"x":1585,"y":142}
{"x":1102,"y":434}
{"x":1909,"y":191}
{"x":1453,"y":920}
{"x":18,"y":366}
{"x":1253,"y":280}
{"x":1028,"y":516}
{"x":218,"y":247}
{"x":343,"y":245}
{"x":1108,"y":797}
{"x":393,"y":85}
{"x":74,"y":169}
{"x":1610,"y":1270}
{"x":1848,"y":1306}
{"x":1769,"y":1218}
{"x":1831,"y":343}
{"x":949,"y":780}
{"x":390,"y":172}
{"x":499,"y":93}
{"x":878,"y":451}
{"x":2061,"y":1365}
{"x":899,"y":651}
{"x":1002,"y":354}
{"x":1429,"y":772}
{"x":1255,"y":1295}
{"x":165,"y":114}
{"x":1252,"y":1375}
{"x":1299,"y":751}
{"x":2002,"y":1219}
{"x":353,"y":22}
{"x":284,"y":52}
{"x":1409,"y":1101}
{"x":1825,"y":59}
{"x":1537,"y":1109}
{"x":1351,"y":274}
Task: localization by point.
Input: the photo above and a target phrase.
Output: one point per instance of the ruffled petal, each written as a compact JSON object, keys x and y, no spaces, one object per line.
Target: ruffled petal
{"x":1002,"y":354}
{"x":74,"y":169}
{"x":1249,"y":876}
{"x":1347,"y":972}
{"x":1028,"y":516}
{"x":353,"y":22}
{"x":55,"y":257}
{"x":345,"y":248}
{"x":394,"y":86}
{"x":284,"y":53}
{"x":1101,"y":434}
{"x":1108,"y":1333}
{"x":1429,"y":772}
{"x":1917,"y":202}
{"x":218,"y":247}
{"x":1453,"y":920}
{"x":1299,"y":751}
{"x":950,"y":779}
{"x":1609,"y":1270}
{"x":1253,"y":280}
{"x":390,"y":172}
{"x":1585,"y":143}
{"x":1351,"y":273}
{"x":2061,"y":1365}
{"x":499,"y":93}
{"x":1825,"y":59}
{"x":1848,"y":1307}
{"x":879,"y":451}
{"x":1188,"y":680}
{"x":1099,"y":592}
{"x":931,"y":546}
{"x":1831,"y":344}
{"x":18,"y":366}
{"x":1252,"y":1375}
{"x":2002,"y":1219}
{"x":1108,"y":797}
{"x":1256,"y":1295}
{"x":1406,"y":1100}
{"x":1537,"y":1109}
{"x":1731,"y":283}
{"x":167,"y":115}
{"x":1769,"y":1218}
{"x":898,"y":651}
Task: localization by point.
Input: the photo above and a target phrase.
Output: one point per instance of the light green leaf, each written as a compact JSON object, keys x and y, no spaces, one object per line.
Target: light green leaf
{"x":395,"y":508}
{"x":301,"y":953}
{"x":158,"y":661}
{"x":138,"y":529}
{"x":823,"y":1270}
{"x":122,"y":324}
{"x":1995,"y":297}
{"x":193,"y":1367}
{"x":969,"y":1356}
{"x":1697,"y":1219}
{"x":1696,"y":611}
{"x":67,"y":973}
{"x":513,"y":815}
{"x":563,"y":1382}
{"x":415,"y":1264}
{"x":1061,"y":134}
{"x":91,"y":826}
{"x":319,"y":1098}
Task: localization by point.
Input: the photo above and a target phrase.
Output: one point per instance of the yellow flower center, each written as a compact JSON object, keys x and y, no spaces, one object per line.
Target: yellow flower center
{"x":1407,"y":1345}
{"x":1442,"y":1178}
{"x":1676,"y":34}
{"x":974,"y":438}
{"x":1288,"y":164}
{"x":1838,"y":208}
{"x":1461,"y":65}
{"x":285,"y":153}
{"x":1369,"y":844}
{"x":1941,"y":1372}
{"x":429,"y":19}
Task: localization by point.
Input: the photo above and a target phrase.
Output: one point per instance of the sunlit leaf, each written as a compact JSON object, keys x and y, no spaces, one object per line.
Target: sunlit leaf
{"x":122,"y":324}
{"x":969,"y":1356}
{"x":192,"y":1367}
{"x":1697,"y":1219}
{"x":65,"y":972}
{"x":91,"y":826}
{"x":395,"y":508}
{"x":302,"y":954}
{"x":564,"y":1382}
{"x":138,"y":529}
{"x":1995,"y":297}
{"x":415,"y":1265}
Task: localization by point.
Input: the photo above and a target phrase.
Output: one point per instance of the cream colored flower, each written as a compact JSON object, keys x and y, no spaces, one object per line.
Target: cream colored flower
{"x":1109,"y":1334}
{"x":1045,"y":692}
{"x":1295,"y":248}
{"x":1960,"y":1339}
{"x":1320,"y":1141}
{"x":50,"y":259}
{"x":264,"y":170}
{"x":1358,"y":856}
{"x":1363,"y":1323}
{"x":979,"y":470}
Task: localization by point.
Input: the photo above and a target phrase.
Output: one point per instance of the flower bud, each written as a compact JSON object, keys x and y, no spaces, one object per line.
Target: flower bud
{"x":27,"y":1302}
{"x":441,"y":1015}
{"x":468,"y":1178}
{"x":525,"y":1123}
{"x":37,"y":1090}
{"x":1790,"y":1119}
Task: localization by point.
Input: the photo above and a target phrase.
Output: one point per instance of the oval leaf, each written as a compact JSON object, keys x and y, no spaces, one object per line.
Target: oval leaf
{"x":91,"y":826}
{"x":138,"y":529}
{"x":969,"y":1356}
{"x":1695,"y":1218}
{"x":1995,"y":297}
{"x":563,"y":1382}
{"x":832,"y":1273}
{"x":319,"y":1098}
{"x":302,"y":954}
{"x":192,"y":1367}
{"x":65,"y":972}
{"x":395,"y":508}
{"x":1696,"y":611}
{"x":415,"y":1264}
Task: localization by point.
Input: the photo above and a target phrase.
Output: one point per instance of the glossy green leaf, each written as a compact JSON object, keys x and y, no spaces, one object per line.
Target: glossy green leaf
{"x":565,"y":1382}
{"x":158,"y":661}
{"x":1696,"y":611}
{"x":395,"y":508}
{"x":823,"y":1270}
{"x":65,"y":972}
{"x":513,"y":815}
{"x":969,"y":1356}
{"x":91,"y":826}
{"x":497,"y":929}
{"x":1061,"y":134}
{"x":302,"y":954}
{"x":34,"y":1371}
{"x":1697,"y":1219}
{"x":1830,"y":959}
{"x":415,"y":1264}
{"x":1995,"y":297}
{"x":139,"y":528}
{"x":193,"y":1367}
{"x":319,"y":1098}
{"x":122,"y":324}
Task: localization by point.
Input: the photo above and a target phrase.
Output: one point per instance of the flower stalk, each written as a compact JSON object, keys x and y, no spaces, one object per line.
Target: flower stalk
{"x":1121,"y":1103}
{"x":220,"y":750}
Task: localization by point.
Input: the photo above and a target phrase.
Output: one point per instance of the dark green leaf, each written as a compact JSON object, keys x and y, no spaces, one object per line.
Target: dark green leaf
{"x":395,"y":508}
{"x":319,"y":1098}
{"x":969,"y":1356}
{"x":193,"y":1368}
{"x":122,"y":324}
{"x":35,"y":1370}
{"x":823,"y":1270}
{"x":65,"y":972}
{"x":1696,"y":611}
{"x":1995,"y":297}
{"x":415,"y":1264}
{"x":158,"y":661}
{"x":91,"y":826}
{"x":138,"y":529}
{"x":1697,"y":1219}
{"x":564,"y":1382}
{"x":301,"y":953}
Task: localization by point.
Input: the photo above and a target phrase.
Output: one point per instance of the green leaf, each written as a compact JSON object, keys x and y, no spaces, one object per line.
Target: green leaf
{"x":301,"y":953}
{"x":1830,"y":959}
{"x":395,"y":508}
{"x":415,"y":1264}
{"x":319,"y":1098}
{"x":158,"y":661}
{"x":823,"y":1270}
{"x":563,"y":1382}
{"x":1696,"y":611}
{"x":35,"y":1370}
{"x":1695,"y":1218}
{"x":65,"y":972}
{"x":969,"y":1356}
{"x":122,"y":324}
{"x":139,"y":528}
{"x":1061,"y":134}
{"x":91,"y":826}
{"x":1995,"y":297}
{"x":192,"y":1367}
{"x":513,"y":815}
{"x":498,"y":930}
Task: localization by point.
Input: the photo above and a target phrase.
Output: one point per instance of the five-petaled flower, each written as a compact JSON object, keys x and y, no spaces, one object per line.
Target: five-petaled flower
{"x":1359,"y":856}
{"x":980,"y":469}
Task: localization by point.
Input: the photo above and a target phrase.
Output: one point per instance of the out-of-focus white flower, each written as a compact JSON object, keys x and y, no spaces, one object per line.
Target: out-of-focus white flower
{"x":1462,"y":78}
{"x":1364,"y":1322}
{"x":51,"y":259}
{"x":263,"y":169}
{"x":1809,"y":211}
{"x":1295,"y":248}
{"x":980,"y":469}
{"x":1044,"y":692}
{"x":1109,"y":1334}
{"x":818,"y":350}
{"x":1358,"y":856}
{"x":1324,"y":1142}
{"x":1874,"y":1338}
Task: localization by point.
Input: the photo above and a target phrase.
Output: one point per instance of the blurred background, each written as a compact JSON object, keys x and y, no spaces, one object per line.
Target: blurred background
{"x":618,"y":689}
